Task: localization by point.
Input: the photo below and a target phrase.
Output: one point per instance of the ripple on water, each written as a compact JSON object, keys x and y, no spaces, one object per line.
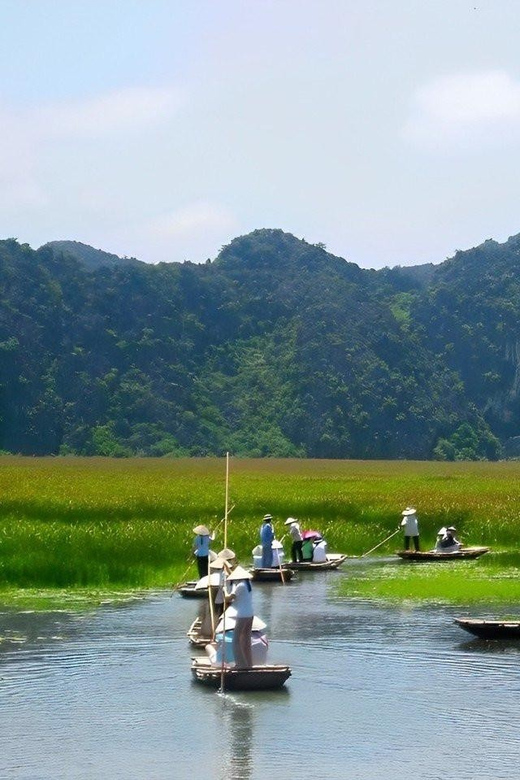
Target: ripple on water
{"x":375,"y":693}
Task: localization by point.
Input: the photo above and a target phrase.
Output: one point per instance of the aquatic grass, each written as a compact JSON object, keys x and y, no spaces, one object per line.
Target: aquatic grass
{"x":102,"y":523}
{"x":461,"y":582}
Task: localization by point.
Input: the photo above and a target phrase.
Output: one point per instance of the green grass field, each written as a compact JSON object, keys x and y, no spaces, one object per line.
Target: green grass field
{"x":90,"y":529}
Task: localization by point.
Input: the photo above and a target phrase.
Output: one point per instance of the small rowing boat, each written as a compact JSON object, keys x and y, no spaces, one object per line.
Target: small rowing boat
{"x":188,"y":591}
{"x":199,"y":589}
{"x":334,"y":561}
{"x":257,"y":678}
{"x":272,"y":575}
{"x":490,"y":629}
{"x":465,"y":553}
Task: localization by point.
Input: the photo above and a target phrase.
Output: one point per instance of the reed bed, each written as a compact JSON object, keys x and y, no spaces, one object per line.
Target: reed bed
{"x":492,"y":580}
{"x":72,"y":523}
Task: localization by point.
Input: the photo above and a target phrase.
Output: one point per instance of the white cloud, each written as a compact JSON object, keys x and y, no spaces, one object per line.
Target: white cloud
{"x":31,"y":136}
{"x":190,"y":220}
{"x":464,"y":107}
{"x":19,"y":186}
{"x":192,"y":232}
{"x":125,"y":110}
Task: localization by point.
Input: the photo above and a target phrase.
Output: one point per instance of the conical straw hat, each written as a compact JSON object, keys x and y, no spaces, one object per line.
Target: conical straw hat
{"x":240,"y":574}
{"x":227,"y":554}
{"x":201,"y":530}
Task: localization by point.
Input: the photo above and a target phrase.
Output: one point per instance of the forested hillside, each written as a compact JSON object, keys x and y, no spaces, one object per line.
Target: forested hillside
{"x":276,"y":348}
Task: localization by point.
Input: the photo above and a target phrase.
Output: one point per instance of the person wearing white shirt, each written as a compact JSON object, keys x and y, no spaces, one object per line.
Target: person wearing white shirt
{"x":242,"y":598}
{"x":297,"y":539}
{"x":411,"y":527}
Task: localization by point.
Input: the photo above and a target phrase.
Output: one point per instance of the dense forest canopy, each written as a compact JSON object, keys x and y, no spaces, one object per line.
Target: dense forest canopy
{"x":276,"y":348}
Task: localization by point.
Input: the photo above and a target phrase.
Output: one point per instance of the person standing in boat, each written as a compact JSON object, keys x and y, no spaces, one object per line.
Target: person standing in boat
{"x":297,"y":539}
{"x":201,"y":545}
{"x":242,"y":598}
{"x":411,"y":528}
{"x":266,"y":539}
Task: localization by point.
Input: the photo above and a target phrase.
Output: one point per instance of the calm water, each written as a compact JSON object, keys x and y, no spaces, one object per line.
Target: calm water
{"x":376,"y":693}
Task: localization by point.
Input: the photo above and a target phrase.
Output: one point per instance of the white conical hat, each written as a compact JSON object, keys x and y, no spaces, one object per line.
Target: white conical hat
{"x":229,"y":619}
{"x":276,"y":545}
{"x":240,"y":574}
{"x":203,"y":582}
{"x":409,"y":511}
{"x":290,"y":521}
{"x":201,"y":530}
{"x":227,"y":554}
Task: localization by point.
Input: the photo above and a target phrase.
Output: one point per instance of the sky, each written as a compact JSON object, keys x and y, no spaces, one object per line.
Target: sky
{"x":389,"y":130}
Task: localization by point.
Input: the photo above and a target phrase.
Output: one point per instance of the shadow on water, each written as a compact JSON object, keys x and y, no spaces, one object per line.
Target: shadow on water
{"x":491,"y":646}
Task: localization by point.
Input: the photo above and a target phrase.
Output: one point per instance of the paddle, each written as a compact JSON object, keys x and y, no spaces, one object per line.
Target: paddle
{"x":280,"y":561}
{"x":380,"y":543}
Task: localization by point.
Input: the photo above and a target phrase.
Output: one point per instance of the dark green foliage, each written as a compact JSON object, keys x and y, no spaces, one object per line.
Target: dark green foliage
{"x":277,"y":348}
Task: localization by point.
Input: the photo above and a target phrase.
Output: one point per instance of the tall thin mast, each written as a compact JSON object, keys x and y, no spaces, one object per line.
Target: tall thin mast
{"x":227,"y":500}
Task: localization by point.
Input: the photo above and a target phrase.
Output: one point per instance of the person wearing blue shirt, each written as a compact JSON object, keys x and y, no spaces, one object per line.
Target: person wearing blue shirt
{"x":266,"y":539}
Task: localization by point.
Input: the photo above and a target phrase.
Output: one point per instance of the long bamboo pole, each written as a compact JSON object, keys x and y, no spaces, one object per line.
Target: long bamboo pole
{"x":280,"y":562}
{"x":222,"y":677}
{"x":226,"y":512}
{"x":380,"y":543}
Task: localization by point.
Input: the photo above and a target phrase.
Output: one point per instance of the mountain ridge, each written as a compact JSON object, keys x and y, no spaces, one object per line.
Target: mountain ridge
{"x":276,"y":347}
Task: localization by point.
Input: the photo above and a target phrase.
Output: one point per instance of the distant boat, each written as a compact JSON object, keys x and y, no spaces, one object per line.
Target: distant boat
{"x":490,"y":629}
{"x":272,"y":575}
{"x":187,"y":591}
{"x":334,"y":561}
{"x":257,"y":678}
{"x":465,"y":553}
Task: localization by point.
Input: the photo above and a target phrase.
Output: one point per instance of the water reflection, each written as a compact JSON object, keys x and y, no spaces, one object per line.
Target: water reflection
{"x":113,"y":688}
{"x":237,"y":734}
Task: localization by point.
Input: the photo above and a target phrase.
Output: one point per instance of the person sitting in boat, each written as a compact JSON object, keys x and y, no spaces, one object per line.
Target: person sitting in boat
{"x":259,"y":640}
{"x":319,"y":553}
{"x":266,"y":539}
{"x":447,"y":543}
{"x":201,"y":548}
{"x":224,"y":565}
{"x":308,"y":549}
{"x":278,"y":554}
{"x":242,"y":598}
{"x":411,"y":527}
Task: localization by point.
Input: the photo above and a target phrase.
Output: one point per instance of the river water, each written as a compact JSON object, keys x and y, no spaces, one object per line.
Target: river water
{"x":377,"y":692}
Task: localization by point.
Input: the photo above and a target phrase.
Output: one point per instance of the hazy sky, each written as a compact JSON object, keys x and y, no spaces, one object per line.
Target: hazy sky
{"x":162,"y":129}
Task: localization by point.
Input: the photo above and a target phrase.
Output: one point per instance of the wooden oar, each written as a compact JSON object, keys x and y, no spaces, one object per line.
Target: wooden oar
{"x":380,"y":543}
{"x":280,"y":561}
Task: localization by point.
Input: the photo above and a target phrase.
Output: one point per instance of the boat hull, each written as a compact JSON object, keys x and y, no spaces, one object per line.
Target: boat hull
{"x":196,"y":639}
{"x":188,"y":591}
{"x":332,"y":562}
{"x":466,"y":553}
{"x":491,"y":629}
{"x":272,"y":575}
{"x":258,"y":678}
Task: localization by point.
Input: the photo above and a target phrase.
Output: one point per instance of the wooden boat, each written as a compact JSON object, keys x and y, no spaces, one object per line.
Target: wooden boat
{"x":198,"y":589}
{"x":188,"y":591}
{"x":490,"y":629}
{"x":334,"y":561}
{"x":258,"y":678}
{"x":465,"y":553}
{"x":272,"y":575}
{"x":194,"y":635}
